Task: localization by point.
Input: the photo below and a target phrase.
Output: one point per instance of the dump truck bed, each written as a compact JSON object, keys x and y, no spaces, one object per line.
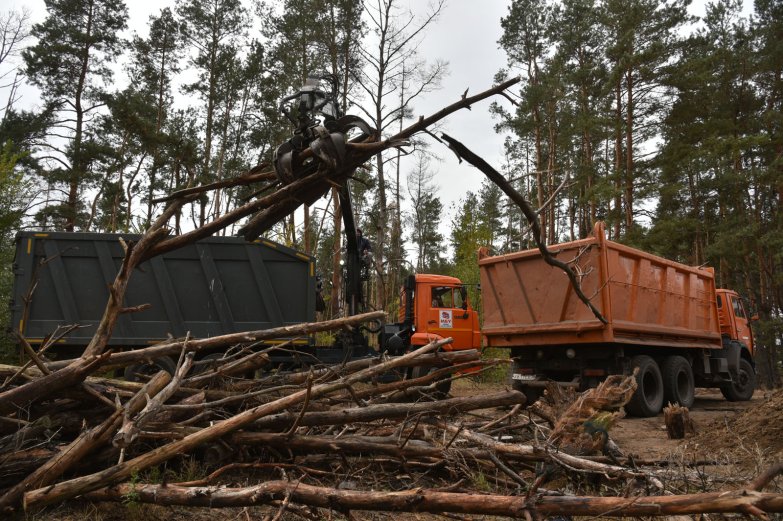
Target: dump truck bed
{"x":647,"y":300}
{"x":216,"y":286}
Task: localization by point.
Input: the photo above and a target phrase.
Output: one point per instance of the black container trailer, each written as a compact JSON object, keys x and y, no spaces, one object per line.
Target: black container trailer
{"x":213,"y":287}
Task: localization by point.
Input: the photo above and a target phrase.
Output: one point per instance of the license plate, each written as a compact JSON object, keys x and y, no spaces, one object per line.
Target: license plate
{"x":524,"y":377}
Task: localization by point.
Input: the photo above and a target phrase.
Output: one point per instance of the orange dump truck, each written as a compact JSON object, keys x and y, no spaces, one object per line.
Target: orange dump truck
{"x":665,"y":318}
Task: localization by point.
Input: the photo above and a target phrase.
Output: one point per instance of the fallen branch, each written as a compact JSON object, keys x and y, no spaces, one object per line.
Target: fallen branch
{"x":737,"y":501}
{"x":497,"y":178}
{"x":131,"y":426}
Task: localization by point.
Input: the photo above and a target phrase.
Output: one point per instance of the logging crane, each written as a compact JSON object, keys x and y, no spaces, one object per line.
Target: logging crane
{"x":432,"y":307}
{"x":321,"y":127}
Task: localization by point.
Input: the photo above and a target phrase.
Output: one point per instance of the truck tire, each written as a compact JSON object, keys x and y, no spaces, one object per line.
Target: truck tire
{"x":133,"y":373}
{"x":442,"y":387}
{"x":742,"y":389}
{"x":647,"y":401}
{"x":678,"y":383}
{"x":532,"y":394}
{"x":206,"y":363}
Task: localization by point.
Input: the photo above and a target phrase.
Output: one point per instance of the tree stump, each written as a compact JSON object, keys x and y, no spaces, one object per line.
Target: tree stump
{"x":678,"y":422}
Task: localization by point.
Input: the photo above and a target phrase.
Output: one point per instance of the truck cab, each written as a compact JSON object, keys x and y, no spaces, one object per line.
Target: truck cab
{"x":734,"y":320}
{"x":432,"y":307}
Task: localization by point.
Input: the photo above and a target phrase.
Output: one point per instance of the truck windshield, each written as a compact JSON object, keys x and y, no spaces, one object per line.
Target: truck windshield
{"x":442,"y":297}
{"x":738,"y":310}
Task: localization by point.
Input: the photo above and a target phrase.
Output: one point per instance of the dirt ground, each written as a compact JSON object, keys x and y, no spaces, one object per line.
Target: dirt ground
{"x":737,"y":428}
{"x":716,"y":421}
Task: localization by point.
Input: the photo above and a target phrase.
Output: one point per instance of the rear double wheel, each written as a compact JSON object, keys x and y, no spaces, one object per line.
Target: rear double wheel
{"x":742,"y":386}
{"x":678,"y":383}
{"x":647,"y":400}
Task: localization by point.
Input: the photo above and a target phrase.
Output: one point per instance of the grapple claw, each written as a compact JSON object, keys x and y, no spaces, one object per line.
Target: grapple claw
{"x":327,"y":140}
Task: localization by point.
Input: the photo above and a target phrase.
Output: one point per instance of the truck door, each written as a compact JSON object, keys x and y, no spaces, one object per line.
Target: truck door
{"x":450,"y":316}
{"x":744,"y":333}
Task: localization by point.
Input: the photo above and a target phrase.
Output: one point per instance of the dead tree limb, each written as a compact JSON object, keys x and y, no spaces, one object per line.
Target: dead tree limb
{"x":419,"y":500}
{"x":131,"y":426}
{"x":767,"y":476}
{"x":393,"y":410}
{"x":254,"y":175}
{"x":531,"y":452}
{"x":196,"y":345}
{"x":497,"y":178}
{"x":311,"y":187}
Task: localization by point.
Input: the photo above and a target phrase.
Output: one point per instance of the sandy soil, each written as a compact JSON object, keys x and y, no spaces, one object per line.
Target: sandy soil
{"x":712,"y":415}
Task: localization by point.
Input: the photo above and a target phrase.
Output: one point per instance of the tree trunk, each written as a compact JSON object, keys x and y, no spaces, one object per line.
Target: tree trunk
{"x":629,"y":166}
{"x":436,"y":502}
{"x":618,"y":153}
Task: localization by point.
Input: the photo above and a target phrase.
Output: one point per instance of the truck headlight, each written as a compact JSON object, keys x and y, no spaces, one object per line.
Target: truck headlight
{"x":570,"y":353}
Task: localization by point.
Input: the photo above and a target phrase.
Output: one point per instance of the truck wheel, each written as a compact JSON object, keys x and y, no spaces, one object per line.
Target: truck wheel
{"x":532,"y":394}
{"x":678,"y":386}
{"x":136,"y":372}
{"x":442,"y":387}
{"x":648,"y":399}
{"x":206,"y":363}
{"x":741,"y":390}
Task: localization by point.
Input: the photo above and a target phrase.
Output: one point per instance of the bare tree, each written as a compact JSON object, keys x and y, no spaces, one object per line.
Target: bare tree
{"x":14,"y":30}
{"x":394,"y":76}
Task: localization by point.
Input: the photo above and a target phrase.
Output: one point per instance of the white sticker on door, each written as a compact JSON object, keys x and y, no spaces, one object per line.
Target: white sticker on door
{"x":445,"y":318}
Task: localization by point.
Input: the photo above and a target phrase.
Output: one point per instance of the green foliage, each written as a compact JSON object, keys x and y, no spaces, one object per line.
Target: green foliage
{"x":498,"y":374}
{"x":70,"y":63}
{"x":15,"y":196}
{"x":131,"y":499}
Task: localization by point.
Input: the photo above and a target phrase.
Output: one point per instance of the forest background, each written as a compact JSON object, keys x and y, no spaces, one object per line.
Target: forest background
{"x":667,"y":126}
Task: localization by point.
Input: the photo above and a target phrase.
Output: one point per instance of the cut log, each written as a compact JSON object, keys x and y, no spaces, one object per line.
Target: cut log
{"x":391,"y":411}
{"x":419,"y":500}
{"x":19,"y":398}
{"x":195,"y":345}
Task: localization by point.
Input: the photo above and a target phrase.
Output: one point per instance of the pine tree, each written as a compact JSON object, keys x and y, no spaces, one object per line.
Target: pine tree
{"x":525,"y":40}
{"x":155,"y":64}
{"x":70,"y":63}
{"x":425,"y":217}
{"x":643,"y":41}
{"x":212,"y":29}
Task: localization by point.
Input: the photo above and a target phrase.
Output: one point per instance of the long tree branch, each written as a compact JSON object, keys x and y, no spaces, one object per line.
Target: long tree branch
{"x":497,"y":178}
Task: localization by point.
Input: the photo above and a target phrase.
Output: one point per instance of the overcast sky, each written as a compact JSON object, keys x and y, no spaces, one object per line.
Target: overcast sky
{"x":466,"y":36}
